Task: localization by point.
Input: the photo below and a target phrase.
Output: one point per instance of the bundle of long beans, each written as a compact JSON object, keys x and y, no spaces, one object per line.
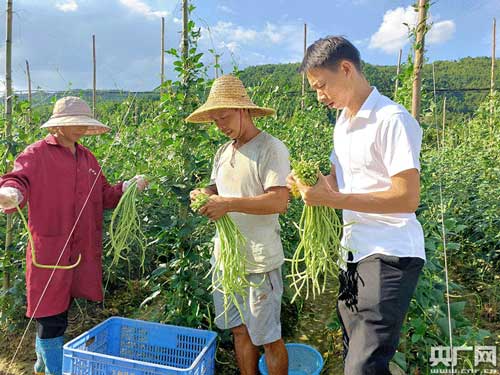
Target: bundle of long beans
{"x":320,"y":229}
{"x":229,"y":274}
{"x":125,"y":229}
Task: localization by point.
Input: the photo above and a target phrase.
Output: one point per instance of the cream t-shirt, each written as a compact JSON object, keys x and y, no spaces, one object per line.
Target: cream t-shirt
{"x":249,"y":171}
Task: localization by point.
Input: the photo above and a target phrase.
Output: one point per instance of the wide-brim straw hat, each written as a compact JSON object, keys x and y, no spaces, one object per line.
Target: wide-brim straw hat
{"x":227,"y":92}
{"x":73,"y":111}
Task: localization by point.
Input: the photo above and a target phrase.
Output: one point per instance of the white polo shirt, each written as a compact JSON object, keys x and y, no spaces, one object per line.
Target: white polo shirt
{"x":382,"y":140}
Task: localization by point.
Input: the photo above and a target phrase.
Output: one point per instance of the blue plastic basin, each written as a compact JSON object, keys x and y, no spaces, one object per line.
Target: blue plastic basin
{"x":302,"y":360}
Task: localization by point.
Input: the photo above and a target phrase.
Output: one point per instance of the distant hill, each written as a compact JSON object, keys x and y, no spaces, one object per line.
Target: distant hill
{"x":468,"y":73}
{"x":41,"y":97}
{"x":459,"y":79}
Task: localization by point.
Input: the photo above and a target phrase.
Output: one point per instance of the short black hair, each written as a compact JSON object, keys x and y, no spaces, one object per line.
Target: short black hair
{"x":328,"y":52}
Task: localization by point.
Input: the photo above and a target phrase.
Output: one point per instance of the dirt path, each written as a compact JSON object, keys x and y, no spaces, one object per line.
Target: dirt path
{"x":23,"y":363}
{"x":312,"y":330}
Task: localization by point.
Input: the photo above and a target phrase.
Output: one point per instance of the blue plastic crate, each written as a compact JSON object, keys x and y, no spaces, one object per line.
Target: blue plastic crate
{"x":120,"y":346}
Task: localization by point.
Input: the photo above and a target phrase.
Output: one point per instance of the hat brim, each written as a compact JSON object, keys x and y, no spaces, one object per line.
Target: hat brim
{"x":202,"y":114}
{"x":94,"y":127}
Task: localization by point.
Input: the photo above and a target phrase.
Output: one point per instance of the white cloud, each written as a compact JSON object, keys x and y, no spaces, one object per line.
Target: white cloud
{"x":252,"y":46}
{"x":393,"y":33}
{"x":440,"y":32}
{"x":279,"y":33}
{"x":234,"y":37}
{"x":140,"y":7}
{"x":225,"y":9}
{"x":227,"y":31}
{"x":231,"y":46}
{"x":67,"y":6}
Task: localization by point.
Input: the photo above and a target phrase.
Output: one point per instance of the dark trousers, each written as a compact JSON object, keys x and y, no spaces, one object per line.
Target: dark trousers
{"x":372,"y":318}
{"x":52,"y":326}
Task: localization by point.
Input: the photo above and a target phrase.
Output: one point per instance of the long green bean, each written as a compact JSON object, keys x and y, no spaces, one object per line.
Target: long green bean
{"x":229,"y":275}
{"x":125,"y":229}
{"x":319,"y":251}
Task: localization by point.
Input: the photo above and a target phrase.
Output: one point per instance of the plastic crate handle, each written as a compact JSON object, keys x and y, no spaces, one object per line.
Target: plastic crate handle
{"x":89,"y":341}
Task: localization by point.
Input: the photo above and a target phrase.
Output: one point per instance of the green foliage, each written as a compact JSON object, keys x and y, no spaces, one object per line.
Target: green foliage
{"x":447,"y":185}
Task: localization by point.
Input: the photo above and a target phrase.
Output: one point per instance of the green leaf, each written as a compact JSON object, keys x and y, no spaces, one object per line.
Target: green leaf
{"x":415,"y":338}
{"x":444,"y":327}
{"x":457,"y":308}
{"x":400,"y":359}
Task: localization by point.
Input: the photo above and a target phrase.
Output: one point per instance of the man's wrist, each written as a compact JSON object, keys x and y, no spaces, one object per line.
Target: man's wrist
{"x":230,"y":204}
{"x":338,"y":200}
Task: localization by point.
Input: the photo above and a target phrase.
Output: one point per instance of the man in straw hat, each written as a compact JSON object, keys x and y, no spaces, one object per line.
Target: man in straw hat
{"x":374,"y":179}
{"x":248,"y":182}
{"x":66,"y":191}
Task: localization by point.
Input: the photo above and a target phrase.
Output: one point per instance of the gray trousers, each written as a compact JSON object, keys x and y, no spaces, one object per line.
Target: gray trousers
{"x":374,"y":297}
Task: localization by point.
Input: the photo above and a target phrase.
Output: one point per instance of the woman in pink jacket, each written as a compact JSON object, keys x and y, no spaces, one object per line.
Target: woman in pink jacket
{"x":66,"y":193}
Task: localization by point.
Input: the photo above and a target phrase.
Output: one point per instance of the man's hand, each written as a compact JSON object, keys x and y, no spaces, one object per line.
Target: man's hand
{"x":209,"y":190}
{"x":291,"y":184}
{"x":194,"y":193}
{"x":216,"y":207}
{"x":320,"y":194}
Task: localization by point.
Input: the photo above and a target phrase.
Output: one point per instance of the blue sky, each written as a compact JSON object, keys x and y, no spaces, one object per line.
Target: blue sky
{"x":55,"y":35}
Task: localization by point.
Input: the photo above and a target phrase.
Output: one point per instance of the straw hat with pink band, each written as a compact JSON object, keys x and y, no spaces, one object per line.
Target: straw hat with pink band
{"x":73,"y":111}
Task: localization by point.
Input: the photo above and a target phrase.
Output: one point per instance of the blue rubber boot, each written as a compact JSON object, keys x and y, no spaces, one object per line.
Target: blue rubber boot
{"x":39,"y":364}
{"x":51,"y":351}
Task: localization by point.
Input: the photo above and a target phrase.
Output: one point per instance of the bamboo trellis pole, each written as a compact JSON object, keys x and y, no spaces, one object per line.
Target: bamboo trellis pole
{"x":216,"y":66}
{"x":185,"y":33}
{"x":435,"y":102}
{"x":492,"y":79}
{"x":304,"y":74}
{"x":94,"y":78}
{"x":444,"y":122}
{"x":162,"y":68}
{"x":493,"y":48}
{"x":28,"y":77}
{"x":419,"y":58}
{"x":8,"y":137}
{"x":398,"y":69}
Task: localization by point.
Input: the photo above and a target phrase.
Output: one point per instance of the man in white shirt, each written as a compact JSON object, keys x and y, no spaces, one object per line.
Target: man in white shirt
{"x":248,"y":182}
{"x":375,"y":180}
